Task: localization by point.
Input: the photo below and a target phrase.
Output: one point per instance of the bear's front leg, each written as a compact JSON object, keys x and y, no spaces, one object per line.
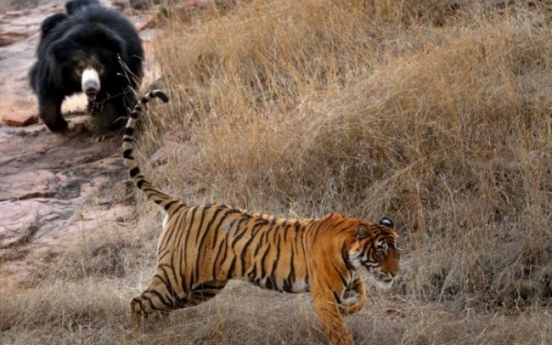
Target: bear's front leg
{"x":49,"y":110}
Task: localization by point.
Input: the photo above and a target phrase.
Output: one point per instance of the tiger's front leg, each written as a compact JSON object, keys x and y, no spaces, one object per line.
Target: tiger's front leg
{"x":354,"y":298}
{"x":329,"y":314}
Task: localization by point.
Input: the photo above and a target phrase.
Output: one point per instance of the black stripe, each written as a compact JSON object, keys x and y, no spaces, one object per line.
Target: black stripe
{"x":238,"y":237}
{"x":230,"y":272}
{"x":127,"y":154}
{"x":180,"y":206}
{"x":269,"y":284}
{"x":230,"y":211}
{"x":160,"y":94}
{"x":167,"y":238}
{"x":250,"y":240}
{"x":260,"y":243}
{"x":210,"y":225}
{"x":160,"y":297}
{"x":345,"y":256}
{"x":129,"y":131}
{"x":216,"y":229}
{"x":167,"y":283}
{"x":177,"y":259}
{"x":134,"y":171}
{"x":174,"y":239}
{"x":199,"y":260}
{"x":169,"y":204}
{"x":263,"y":260}
{"x":140,"y":183}
{"x":288,"y":283}
{"x":220,"y":253}
{"x":161,"y":278}
{"x":222,"y":248}
{"x":185,"y":244}
{"x":277,"y":259}
{"x":181,"y":303}
{"x":336,"y":297}
{"x":343,"y":280}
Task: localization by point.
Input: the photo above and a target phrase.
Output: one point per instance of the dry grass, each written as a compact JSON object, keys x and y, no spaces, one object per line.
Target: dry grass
{"x":440,"y":118}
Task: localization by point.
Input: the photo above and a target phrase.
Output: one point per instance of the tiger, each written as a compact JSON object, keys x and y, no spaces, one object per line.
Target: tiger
{"x":202,"y":247}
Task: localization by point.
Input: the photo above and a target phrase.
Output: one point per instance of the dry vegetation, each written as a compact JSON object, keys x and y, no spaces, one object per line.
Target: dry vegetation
{"x":439,"y":117}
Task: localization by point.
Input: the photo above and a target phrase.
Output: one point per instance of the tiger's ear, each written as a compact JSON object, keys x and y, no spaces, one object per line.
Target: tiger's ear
{"x":386,"y":222}
{"x":361,"y":231}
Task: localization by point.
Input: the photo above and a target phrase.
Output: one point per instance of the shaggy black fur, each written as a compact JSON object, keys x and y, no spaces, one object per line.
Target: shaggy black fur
{"x":87,"y":36}
{"x":72,"y":6}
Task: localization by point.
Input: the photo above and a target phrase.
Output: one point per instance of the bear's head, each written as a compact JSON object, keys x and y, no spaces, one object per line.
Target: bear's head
{"x":88,"y":56}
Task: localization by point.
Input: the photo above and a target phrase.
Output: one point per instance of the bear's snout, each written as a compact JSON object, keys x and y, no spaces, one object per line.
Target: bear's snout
{"x":90,"y":83}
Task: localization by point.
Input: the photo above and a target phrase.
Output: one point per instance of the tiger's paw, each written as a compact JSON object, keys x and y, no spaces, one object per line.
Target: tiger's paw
{"x":136,"y":315}
{"x":350,"y":298}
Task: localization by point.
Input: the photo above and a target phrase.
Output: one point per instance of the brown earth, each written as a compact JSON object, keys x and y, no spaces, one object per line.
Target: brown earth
{"x":53,"y":190}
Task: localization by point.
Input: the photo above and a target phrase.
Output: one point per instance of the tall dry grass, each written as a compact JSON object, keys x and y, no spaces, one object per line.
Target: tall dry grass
{"x":371,"y":108}
{"x":435,"y":115}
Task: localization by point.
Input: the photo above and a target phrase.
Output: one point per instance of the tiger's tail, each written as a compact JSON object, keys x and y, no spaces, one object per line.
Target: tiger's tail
{"x":164,"y":200}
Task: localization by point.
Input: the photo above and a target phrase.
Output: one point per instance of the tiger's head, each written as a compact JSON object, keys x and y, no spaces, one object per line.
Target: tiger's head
{"x":375,"y":247}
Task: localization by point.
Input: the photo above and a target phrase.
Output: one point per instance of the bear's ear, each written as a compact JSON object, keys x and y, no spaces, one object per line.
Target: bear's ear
{"x":51,"y":22}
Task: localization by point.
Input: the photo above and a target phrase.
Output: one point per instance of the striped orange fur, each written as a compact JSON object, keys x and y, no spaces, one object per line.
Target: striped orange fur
{"x":202,"y":247}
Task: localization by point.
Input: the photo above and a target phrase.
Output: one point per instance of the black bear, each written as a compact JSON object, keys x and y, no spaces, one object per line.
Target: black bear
{"x":91,"y":49}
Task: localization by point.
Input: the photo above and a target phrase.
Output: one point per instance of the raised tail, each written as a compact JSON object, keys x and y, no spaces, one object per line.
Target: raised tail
{"x":164,"y":200}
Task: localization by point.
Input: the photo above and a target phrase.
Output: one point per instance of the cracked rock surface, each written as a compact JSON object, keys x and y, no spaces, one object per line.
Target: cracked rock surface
{"x":53,"y":190}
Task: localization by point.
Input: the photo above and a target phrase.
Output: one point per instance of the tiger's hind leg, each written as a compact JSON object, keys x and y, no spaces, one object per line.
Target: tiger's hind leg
{"x":158,"y":297}
{"x":205,"y":291}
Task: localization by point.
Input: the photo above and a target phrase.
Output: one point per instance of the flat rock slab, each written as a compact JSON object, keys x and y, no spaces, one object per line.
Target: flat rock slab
{"x":52,"y":191}
{"x":19,"y":118}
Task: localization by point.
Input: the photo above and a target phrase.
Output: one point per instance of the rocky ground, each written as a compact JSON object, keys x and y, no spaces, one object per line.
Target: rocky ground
{"x":52,"y":189}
